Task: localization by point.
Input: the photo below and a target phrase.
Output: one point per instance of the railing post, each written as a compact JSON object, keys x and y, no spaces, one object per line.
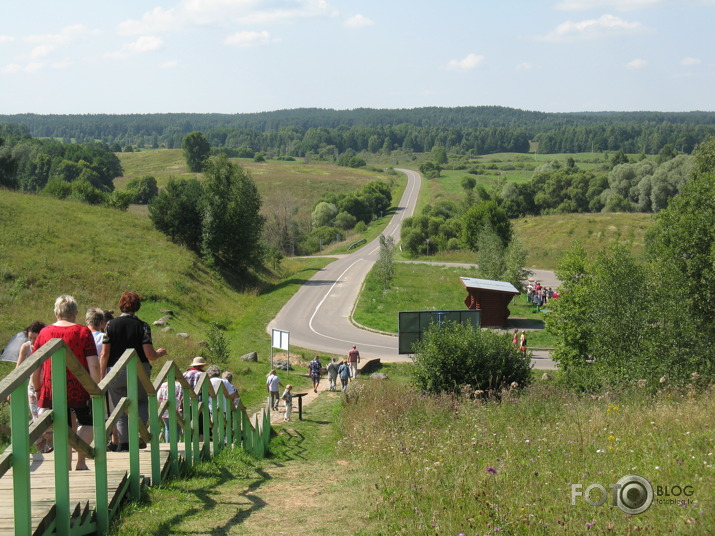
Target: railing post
{"x":155,"y":430}
{"x":20,"y":460}
{"x":133,"y":418}
{"x":173,"y":438}
{"x":188,"y":427}
{"x":206,"y":419}
{"x":195,"y":418}
{"x":100,"y":465}
{"x":218,"y":421}
{"x":61,"y":434}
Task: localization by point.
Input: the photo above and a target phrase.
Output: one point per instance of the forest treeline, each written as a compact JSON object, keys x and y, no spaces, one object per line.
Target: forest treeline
{"x":325,"y":133}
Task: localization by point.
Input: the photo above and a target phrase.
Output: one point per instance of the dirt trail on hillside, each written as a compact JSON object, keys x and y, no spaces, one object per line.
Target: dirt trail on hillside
{"x":301,"y":495}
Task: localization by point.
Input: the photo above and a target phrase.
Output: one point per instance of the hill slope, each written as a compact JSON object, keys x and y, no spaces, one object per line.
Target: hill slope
{"x":52,"y":247}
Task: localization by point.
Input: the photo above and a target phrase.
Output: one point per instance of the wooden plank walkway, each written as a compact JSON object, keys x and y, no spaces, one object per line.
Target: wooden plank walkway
{"x":82,"y":483}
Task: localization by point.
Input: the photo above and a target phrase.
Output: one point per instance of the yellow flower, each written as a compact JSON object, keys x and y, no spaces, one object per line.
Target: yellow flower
{"x":611,"y":438}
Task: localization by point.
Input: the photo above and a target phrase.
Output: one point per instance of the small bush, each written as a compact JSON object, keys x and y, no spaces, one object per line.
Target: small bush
{"x":456,"y":355}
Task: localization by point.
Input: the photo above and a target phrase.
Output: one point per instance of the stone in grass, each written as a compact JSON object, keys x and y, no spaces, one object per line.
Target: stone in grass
{"x":546,"y":377}
{"x":378,"y":376}
{"x":251,"y":357}
{"x":166,"y":311}
{"x":161,"y":322}
{"x":282,"y":364}
{"x":167,"y":329}
{"x":183,"y":335}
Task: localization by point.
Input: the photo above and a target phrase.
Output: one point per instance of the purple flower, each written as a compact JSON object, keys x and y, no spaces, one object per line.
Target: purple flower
{"x":491,"y":470}
{"x":589,"y":525}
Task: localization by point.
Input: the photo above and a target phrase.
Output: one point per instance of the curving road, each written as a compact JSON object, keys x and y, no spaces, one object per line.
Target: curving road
{"x":318,"y":315}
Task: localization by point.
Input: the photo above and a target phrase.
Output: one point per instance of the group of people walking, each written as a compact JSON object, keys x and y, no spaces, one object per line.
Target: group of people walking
{"x":345,"y":370}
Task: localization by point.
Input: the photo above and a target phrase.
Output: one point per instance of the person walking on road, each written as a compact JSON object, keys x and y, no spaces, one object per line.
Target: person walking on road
{"x":315,"y":367}
{"x":332,"y":370}
{"x":354,"y":359}
{"x":344,"y":373}
{"x":272,"y":383}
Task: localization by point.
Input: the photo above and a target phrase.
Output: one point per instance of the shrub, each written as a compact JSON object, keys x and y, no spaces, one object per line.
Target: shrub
{"x":456,"y":355}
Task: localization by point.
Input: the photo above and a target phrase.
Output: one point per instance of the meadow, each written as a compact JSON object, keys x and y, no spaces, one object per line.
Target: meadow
{"x":387,"y":460}
{"x":466,"y":466}
{"x":285,"y":187}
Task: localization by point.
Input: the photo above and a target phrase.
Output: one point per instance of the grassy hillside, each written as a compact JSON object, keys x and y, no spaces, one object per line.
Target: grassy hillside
{"x":52,"y":247}
{"x":291,"y":186}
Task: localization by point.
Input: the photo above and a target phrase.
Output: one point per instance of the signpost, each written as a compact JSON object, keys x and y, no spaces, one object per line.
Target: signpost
{"x":280,"y":339}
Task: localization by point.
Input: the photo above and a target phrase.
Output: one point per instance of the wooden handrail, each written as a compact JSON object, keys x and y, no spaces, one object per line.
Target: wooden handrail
{"x":230,"y":426}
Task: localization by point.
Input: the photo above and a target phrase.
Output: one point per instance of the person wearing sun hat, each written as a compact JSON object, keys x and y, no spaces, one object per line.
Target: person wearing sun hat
{"x":195,"y":370}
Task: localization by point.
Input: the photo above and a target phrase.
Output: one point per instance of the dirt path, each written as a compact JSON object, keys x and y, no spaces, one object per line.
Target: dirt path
{"x":310,"y":492}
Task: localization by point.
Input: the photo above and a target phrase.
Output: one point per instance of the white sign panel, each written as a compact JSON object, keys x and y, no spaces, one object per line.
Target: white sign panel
{"x":279,"y":339}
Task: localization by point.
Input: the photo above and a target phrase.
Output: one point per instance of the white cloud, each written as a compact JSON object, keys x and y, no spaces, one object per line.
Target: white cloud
{"x":170,"y":64}
{"x":62,"y":64}
{"x":249,"y":39}
{"x":690,"y":62}
{"x":157,"y":20}
{"x":636,"y":64}
{"x":146,"y":43}
{"x":524,"y":66}
{"x":469,"y":62}
{"x":14,"y":68}
{"x":48,"y":43}
{"x":6,"y":39}
{"x":358,"y":21}
{"x":621,"y":5}
{"x":189,"y":13}
{"x":602,"y":27}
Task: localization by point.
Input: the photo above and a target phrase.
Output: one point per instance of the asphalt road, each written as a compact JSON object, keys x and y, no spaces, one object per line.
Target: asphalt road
{"x":318,"y":316}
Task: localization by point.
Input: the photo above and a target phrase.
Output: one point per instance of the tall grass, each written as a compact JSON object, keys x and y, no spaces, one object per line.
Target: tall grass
{"x":453,"y":465}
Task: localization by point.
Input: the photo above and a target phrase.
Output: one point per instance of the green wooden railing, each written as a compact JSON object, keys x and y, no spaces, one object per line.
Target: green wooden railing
{"x":229,"y":427}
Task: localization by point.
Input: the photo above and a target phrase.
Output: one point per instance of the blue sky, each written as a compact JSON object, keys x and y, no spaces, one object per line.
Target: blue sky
{"x":234,"y":56}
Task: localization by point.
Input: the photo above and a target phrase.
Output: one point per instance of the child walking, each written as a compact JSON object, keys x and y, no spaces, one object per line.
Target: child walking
{"x":288,"y":400}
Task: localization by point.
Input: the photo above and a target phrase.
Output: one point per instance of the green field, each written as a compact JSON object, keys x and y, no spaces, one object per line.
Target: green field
{"x":286,"y":187}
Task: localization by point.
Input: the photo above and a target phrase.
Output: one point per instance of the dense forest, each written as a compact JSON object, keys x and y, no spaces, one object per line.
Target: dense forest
{"x":321,"y":132}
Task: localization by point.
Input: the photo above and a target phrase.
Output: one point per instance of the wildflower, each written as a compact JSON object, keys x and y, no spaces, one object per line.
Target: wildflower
{"x":662,"y":379}
{"x":589,"y":525}
{"x":611,"y":437}
{"x":491,"y":470}
{"x":641,"y":383}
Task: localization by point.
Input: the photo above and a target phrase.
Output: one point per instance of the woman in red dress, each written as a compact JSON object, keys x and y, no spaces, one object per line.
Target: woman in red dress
{"x":80,"y":341}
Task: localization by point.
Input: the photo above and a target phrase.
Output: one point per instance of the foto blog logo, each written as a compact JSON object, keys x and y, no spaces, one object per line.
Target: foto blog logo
{"x":633,"y":494}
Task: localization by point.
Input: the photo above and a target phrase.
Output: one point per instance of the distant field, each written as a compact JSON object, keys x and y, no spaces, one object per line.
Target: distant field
{"x":292,"y":186}
{"x":547,"y":237}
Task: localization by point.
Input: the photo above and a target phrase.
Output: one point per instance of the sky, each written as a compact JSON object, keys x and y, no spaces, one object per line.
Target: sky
{"x":241,"y":56}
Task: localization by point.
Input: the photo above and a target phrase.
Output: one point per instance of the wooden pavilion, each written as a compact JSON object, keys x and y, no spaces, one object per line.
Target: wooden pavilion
{"x":491,"y":298}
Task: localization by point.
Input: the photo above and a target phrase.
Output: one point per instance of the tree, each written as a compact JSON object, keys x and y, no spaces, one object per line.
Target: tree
{"x":481,"y":214}
{"x":232,"y":224}
{"x":453,"y":356}
{"x":384,"y":267}
{"x":196,"y":151}
{"x":144,"y":189}
{"x":177,"y":212}
{"x":323,"y":214}
{"x":468,"y":183}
